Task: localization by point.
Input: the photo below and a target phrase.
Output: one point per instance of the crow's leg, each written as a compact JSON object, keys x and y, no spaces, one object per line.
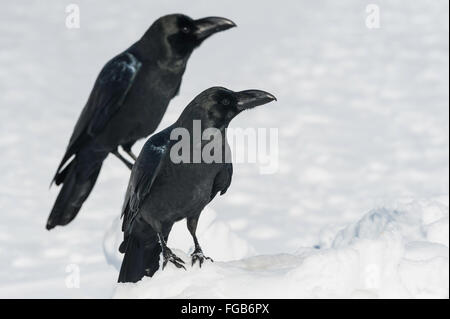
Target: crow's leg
{"x":168,"y":255}
{"x":123,"y":159}
{"x":127,"y":149}
{"x":198,"y":253}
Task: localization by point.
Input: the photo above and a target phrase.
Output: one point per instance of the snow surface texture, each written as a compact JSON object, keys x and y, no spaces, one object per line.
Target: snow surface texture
{"x":398,"y":252}
{"x":363,"y":123}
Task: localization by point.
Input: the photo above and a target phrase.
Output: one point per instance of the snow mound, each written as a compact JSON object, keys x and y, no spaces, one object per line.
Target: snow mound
{"x":398,"y":251}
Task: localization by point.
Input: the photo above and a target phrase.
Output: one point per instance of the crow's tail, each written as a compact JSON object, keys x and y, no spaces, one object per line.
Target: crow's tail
{"x":141,"y":257}
{"x":78,"y":182}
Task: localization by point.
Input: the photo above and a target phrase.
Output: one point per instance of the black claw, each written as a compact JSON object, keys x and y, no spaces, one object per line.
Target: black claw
{"x":179,"y":265}
{"x":198,"y":255}
{"x":179,"y":261}
{"x":194,"y":259}
{"x":165,"y":263}
{"x":174,"y":259}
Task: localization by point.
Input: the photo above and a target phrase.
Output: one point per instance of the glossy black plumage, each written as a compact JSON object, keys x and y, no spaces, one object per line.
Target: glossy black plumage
{"x":162,"y":191}
{"x":127,"y":103}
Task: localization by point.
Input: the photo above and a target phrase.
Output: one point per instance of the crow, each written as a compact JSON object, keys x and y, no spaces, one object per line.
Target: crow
{"x":163,"y":189}
{"x":127,"y":103}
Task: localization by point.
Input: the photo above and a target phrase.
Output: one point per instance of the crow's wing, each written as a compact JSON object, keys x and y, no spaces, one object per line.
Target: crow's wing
{"x":222,"y":180}
{"x":109,"y":92}
{"x":144,"y":172}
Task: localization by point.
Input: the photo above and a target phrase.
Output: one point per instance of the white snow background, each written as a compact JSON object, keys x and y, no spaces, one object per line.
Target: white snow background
{"x":358,"y":208}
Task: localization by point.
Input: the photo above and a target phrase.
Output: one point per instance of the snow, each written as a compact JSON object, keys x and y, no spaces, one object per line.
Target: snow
{"x":388,"y":253}
{"x":357,"y":208}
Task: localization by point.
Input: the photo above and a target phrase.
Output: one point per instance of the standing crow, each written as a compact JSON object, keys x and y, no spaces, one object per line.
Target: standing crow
{"x":128,"y":101}
{"x":163,"y":190}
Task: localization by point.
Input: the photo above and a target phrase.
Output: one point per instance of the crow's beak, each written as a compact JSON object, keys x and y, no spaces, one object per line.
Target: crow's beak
{"x":251,"y":98}
{"x":208,"y":26}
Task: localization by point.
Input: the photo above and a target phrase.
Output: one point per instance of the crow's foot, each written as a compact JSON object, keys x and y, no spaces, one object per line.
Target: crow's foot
{"x":174,"y":259}
{"x":198,"y":255}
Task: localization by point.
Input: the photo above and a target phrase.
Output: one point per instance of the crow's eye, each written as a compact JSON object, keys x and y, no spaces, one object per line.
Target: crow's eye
{"x":225,"y":102}
{"x":185,"y":29}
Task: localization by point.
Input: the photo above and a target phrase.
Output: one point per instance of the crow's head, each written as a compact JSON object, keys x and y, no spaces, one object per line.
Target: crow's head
{"x":180,"y":34}
{"x":217,"y":106}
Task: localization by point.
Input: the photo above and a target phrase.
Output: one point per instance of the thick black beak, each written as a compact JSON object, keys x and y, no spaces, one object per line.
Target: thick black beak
{"x":251,"y":98}
{"x":208,"y":26}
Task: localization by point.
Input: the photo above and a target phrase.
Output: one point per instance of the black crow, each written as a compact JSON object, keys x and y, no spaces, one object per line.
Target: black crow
{"x":128,"y":101}
{"x":162,"y":189}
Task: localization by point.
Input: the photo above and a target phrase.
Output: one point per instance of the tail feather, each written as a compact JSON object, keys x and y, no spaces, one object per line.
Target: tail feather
{"x":75,"y":190}
{"x":141,"y":258}
{"x":61,"y":176}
